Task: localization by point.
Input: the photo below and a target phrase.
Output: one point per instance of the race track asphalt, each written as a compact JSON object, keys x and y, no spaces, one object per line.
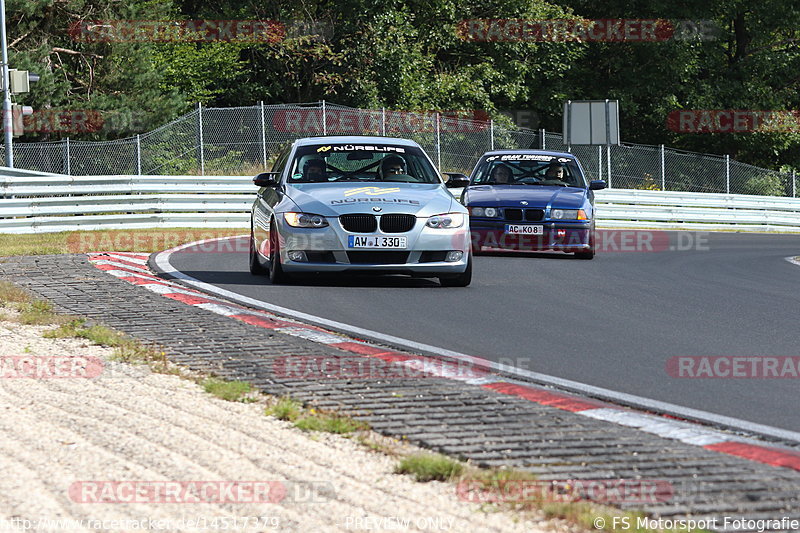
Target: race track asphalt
{"x":613,"y":322}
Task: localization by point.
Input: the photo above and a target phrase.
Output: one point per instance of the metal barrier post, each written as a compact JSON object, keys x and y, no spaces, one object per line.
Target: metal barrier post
{"x":138,"y":156}
{"x":200,"y":134}
{"x":543,"y":135}
{"x":66,"y":157}
{"x":383,"y":121}
{"x":608,"y":164}
{"x":727,"y":173}
{"x":491,"y":134}
{"x":794,"y":189}
{"x":263,"y":135}
{"x":663,"y":171}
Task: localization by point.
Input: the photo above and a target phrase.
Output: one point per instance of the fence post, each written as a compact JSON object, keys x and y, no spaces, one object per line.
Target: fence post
{"x":543,"y":135}
{"x":383,"y":121}
{"x":66,"y":158}
{"x":727,"y":173}
{"x":600,"y":161}
{"x":438,"y":144}
{"x":491,"y":134}
{"x":138,"y":156}
{"x":663,"y":171}
{"x":608,"y":164}
{"x":200,"y":134}
{"x":324,"y":119}
{"x":794,"y":189}
{"x":263,"y":134}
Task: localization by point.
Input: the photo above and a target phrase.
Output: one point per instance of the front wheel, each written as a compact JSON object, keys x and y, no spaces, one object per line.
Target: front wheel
{"x":459,"y":280}
{"x":256,"y":268}
{"x":276,"y":273}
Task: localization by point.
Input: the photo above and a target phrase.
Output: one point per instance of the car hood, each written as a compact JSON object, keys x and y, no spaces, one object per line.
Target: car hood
{"x":334,"y":199}
{"x":535,"y":195}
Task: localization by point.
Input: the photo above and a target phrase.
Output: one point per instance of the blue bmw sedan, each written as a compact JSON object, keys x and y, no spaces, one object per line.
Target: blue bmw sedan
{"x":531,"y":200}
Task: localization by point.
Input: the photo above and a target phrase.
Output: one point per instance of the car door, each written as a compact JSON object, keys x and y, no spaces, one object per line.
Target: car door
{"x":264,"y":206}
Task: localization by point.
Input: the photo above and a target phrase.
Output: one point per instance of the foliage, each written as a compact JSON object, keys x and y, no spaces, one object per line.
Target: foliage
{"x":409,"y":56}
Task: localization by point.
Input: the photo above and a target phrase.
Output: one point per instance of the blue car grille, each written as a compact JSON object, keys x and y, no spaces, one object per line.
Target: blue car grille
{"x":517,"y":215}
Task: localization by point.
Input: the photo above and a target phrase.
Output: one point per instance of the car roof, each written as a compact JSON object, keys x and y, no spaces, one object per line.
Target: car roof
{"x":355,"y":139}
{"x":528,"y":151}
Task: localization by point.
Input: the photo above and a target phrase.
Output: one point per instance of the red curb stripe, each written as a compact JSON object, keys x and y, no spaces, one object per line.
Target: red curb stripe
{"x":106,"y":268}
{"x":264,"y":322}
{"x":553,"y":399}
{"x":396,"y":357}
{"x":190,"y":299}
{"x":117,"y":260}
{"x":357,"y":347}
{"x":762,"y":454}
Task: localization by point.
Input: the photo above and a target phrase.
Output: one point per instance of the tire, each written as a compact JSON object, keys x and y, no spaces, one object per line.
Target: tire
{"x":256,"y":268}
{"x":276,"y":273}
{"x":459,"y":280}
{"x":588,"y":254}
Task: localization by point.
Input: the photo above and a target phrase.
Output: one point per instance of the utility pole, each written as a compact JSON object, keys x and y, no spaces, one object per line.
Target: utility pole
{"x":8,"y":123}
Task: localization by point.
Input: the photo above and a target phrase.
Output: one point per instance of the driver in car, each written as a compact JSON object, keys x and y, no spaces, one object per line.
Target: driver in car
{"x":314,"y":170}
{"x":556,"y":172}
{"x":392,"y":166}
{"x":501,"y":175}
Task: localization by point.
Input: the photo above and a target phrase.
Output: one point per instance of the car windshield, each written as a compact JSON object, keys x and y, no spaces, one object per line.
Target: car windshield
{"x":528,"y":169}
{"x":328,"y":163}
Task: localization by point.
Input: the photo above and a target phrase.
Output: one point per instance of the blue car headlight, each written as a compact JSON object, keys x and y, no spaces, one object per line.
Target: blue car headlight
{"x":489,"y":212}
{"x":568,"y":214}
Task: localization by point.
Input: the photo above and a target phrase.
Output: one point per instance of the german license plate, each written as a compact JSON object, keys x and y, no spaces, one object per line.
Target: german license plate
{"x":524,"y":229}
{"x":375,"y":241}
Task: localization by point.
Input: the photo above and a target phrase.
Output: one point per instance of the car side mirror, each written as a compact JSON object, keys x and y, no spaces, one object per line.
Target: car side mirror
{"x":457,"y":179}
{"x":596,"y":185}
{"x":266,"y":179}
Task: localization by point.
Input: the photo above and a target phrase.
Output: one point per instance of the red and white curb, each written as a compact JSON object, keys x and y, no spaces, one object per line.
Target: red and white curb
{"x":132,"y":267}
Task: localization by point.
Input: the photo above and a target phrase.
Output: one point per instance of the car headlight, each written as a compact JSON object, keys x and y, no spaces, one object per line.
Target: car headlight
{"x":305,"y":220}
{"x":446,"y":221}
{"x":568,"y":214}
{"x":489,"y":212}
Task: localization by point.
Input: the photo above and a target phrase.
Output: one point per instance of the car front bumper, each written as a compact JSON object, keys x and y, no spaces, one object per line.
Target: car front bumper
{"x":327,"y":251}
{"x":556,"y":236}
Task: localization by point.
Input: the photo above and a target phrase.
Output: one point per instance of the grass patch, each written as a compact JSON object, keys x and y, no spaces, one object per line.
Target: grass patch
{"x":430,"y":467}
{"x":329,"y":423}
{"x":11,"y":294}
{"x":76,"y":242}
{"x":286,"y":409}
{"x":97,"y":334}
{"x":312,"y":420}
{"x":231,"y":391}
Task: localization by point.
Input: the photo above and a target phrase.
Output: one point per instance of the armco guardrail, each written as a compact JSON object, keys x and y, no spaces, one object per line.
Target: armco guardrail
{"x":51,"y":203}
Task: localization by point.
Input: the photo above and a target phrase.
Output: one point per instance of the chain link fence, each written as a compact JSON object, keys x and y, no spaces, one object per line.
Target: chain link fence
{"x":245,"y":140}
